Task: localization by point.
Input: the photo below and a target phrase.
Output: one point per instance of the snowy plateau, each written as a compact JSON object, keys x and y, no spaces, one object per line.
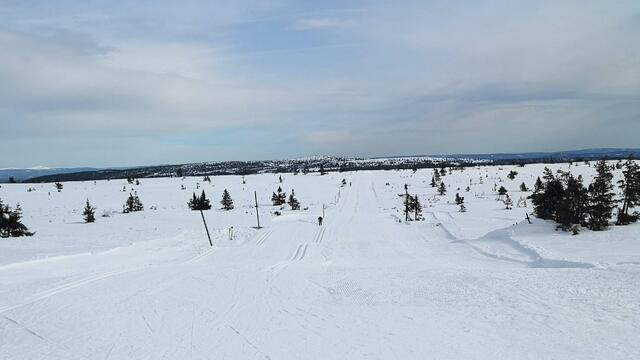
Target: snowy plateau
{"x":480,"y":284}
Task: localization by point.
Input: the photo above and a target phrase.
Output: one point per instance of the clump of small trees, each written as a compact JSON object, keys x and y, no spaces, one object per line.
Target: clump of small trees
{"x":133,"y":204}
{"x":11,"y":222}
{"x":412,"y":208}
{"x":199,"y":202}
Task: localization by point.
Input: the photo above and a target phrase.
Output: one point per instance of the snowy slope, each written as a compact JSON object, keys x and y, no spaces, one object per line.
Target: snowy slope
{"x":475,"y":285}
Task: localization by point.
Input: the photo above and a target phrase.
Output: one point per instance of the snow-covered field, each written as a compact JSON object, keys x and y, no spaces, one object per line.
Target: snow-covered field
{"x":483,"y":284}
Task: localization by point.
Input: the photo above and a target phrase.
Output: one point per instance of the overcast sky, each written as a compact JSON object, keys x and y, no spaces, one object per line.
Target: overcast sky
{"x":119,"y":83}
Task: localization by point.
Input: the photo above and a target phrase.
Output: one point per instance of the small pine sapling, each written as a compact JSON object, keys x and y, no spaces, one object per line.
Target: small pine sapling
{"x":89,"y":213}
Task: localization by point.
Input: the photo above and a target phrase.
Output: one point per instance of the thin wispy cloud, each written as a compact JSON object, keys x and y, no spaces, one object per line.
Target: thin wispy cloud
{"x":321,"y":24}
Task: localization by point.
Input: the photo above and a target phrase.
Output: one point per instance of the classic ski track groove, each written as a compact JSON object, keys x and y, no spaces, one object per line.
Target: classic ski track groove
{"x":69,"y":286}
{"x":263,"y":237}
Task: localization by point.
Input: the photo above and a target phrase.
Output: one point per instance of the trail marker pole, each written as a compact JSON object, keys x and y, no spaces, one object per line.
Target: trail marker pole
{"x":206,"y":228}
{"x":406,"y":202}
{"x":255,"y":194}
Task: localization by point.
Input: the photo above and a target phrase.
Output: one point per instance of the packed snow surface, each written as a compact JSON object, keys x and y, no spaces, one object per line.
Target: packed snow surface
{"x":483,"y":284}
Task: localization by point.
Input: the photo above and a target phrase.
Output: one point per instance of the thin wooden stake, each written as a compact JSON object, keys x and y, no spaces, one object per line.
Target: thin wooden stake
{"x":206,"y":228}
{"x":255,"y":194}
{"x":406,"y":202}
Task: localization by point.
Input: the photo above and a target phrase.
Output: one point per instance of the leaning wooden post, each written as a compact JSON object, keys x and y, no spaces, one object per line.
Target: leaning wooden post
{"x":206,"y":228}
{"x":255,"y":194}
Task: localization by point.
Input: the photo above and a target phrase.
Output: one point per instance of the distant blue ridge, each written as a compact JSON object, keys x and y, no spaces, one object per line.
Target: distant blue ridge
{"x":237,"y":167}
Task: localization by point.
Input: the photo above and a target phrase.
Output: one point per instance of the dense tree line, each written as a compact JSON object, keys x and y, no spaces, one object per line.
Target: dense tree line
{"x":565,"y":199}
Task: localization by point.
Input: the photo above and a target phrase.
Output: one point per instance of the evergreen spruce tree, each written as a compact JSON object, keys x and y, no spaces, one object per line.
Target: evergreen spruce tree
{"x":59,"y":186}
{"x":442,"y":189}
{"x":409,"y":203}
{"x":553,"y":196}
{"x":227,"y":202}
{"x":512,"y":174}
{"x":523,"y":187}
{"x":502,"y":191}
{"x":436,"y":176}
{"x":630,"y":186}
{"x":537,"y":199}
{"x":322,"y":172}
{"x":601,"y":202}
{"x":433,"y":182}
{"x":571,"y":209}
{"x":279,"y":198}
{"x":547,"y":196}
{"x":4,"y":217}
{"x":89,"y":213}
{"x":11,"y":222}
{"x":417,"y":209}
{"x":293,"y":202}
{"x":459,"y":199}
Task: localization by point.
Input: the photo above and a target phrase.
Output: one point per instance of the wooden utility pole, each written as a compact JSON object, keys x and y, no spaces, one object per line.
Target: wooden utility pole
{"x":255,"y":194}
{"x":206,"y":228}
